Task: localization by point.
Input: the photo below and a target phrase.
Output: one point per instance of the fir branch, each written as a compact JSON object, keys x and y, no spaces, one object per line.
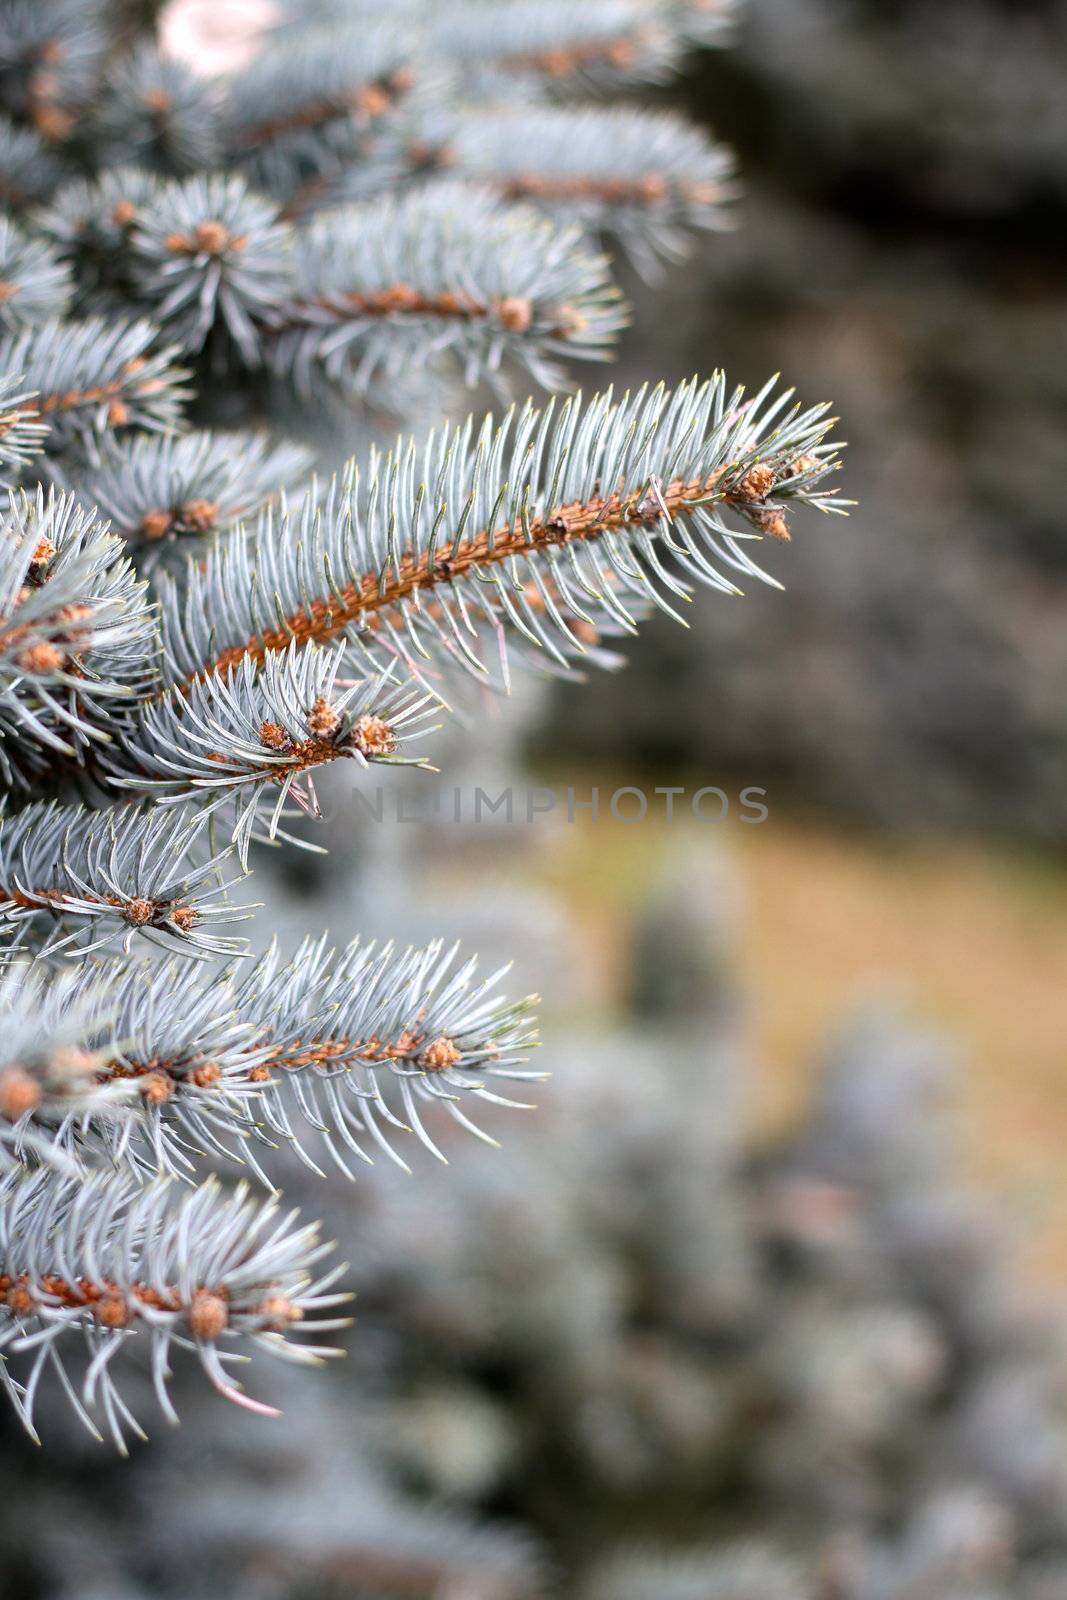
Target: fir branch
{"x":22,"y":434}
{"x":34,"y":283}
{"x":297,"y":86}
{"x":601,"y":44}
{"x":646,"y":178}
{"x":49,"y":1075}
{"x":51,"y":53}
{"x":89,"y":222}
{"x":95,"y":1265}
{"x":185,"y":1060}
{"x":77,"y":632}
{"x":157,"y":112}
{"x":446,"y":270}
{"x":248,"y":742}
{"x":553,"y":526}
{"x":163,"y":492}
{"x":367,"y":1042}
{"x":173,"y":1064}
{"x":94,"y":376}
{"x":86,"y":879}
{"x":207,"y":253}
{"x":28,"y":169}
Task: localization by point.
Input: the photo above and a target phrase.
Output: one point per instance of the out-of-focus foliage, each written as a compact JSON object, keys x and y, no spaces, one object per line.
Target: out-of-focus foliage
{"x":905,"y":198}
{"x":628,"y":1360}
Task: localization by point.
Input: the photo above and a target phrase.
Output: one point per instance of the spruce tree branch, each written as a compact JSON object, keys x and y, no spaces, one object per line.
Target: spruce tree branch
{"x":83,"y":880}
{"x":77,"y":633}
{"x":370,"y":1041}
{"x":94,"y":376}
{"x":548,"y":525}
{"x":446,"y":270}
{"x":89,"y":1265}
{"x":163,"y":492}
{"x":150,"y":1066}
{"x":647,"y":179}
{"x":248,"y":743}
{"x":50,"y":1074}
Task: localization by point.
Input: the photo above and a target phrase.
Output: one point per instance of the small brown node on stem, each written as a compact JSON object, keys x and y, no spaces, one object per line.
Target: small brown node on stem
{"x":139,"y":911}
{"x":20,"y":1300}
{"x":280,"y":1312}
{"x":7,"y":290}
{"x":41,"y":658}
{"x":200,"y":514}
{"x":208,"y":1315}
{"x":118,"y":413}
{"x":157,"y":100}
{"x":801,"y":464}
{"x":373,"y":101}
{"x":651,"y":187}
{"x":274,"y":736}
{"x":43,"y":553}
{"x":373,"y":737}
{"x":184,"y":918}
{"x":774,"y":524}
{"x":156,"y":524}
{"x":757,"y":482}
{"x":52,"y":122}
{"x":515,"y":312}
{"x":259,"y":1074}
{"x":112,"y":1310}
{"x":440,"y":1055}
{"x":212,"y":236}
{"x":123,"y":212}
{"x":157,"y":1087}
{"x":622,"y":53}
{"x":206,"y":1075}
{"x":323,"y":719}
{"x":19,"y":1092}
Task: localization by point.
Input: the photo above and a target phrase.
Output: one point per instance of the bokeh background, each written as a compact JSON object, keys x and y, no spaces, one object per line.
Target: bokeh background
{"x":767,"y":1301}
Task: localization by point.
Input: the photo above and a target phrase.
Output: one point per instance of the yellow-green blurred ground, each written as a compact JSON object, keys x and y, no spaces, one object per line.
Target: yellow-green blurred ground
{"x":971,"y":940}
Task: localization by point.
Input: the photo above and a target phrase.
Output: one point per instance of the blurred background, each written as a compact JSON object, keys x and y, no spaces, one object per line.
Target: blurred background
{"x":767,"y":1299}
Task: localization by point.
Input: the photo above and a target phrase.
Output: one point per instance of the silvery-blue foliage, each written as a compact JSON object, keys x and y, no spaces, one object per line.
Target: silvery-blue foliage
{"x":379,"y":200}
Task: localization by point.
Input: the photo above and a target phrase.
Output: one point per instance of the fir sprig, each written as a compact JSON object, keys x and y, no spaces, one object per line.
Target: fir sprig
{"x":370,"y":1041}
{"x":34,"y":283}
{"x":553,"y":526}
{"x":647,"y":179}
{"x":166,"y":492}
{"x":299,"y":90}
{"x":159,"y":113}
{"x":77,"y":633}
{"x":95,"y":376}
{"x":601,"y":44}
{"x":208,"y":253}
{"x":94,"y":1265}
{"x":442,"y":271}
{"x":88,"y":222}
{"x":77,"y":880}
{"x":248,"y":742}
{"x":177,"y":1061}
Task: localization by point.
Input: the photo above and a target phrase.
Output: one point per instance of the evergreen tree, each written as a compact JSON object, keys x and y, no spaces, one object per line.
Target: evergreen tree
{"x":210,"y":288}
